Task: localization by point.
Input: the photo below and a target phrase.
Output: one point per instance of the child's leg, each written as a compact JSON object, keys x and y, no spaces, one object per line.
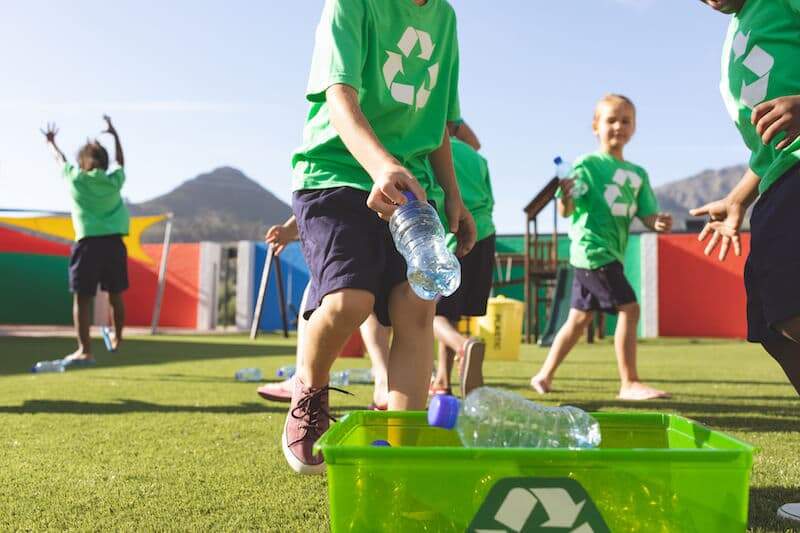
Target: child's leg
{"x":631,"y":387}
{"x":450,"y":342}
{"x":82,"y":318}
{"x":565,"y":340}
{"x":411,"y":355}
{"x":444,"y":365}
{"x":376,"y":340}
{"x":117,"y":317}
{"x":787,"y":351}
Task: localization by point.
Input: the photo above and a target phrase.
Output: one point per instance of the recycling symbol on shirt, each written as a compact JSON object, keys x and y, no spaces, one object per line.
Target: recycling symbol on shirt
{"x":614,"y":192}
{"x":538,"y":505}
{"x":393,"y":66}
{"x":757,"y":61}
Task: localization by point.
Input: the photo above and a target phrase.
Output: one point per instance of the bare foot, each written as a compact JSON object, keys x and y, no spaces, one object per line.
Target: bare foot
{"x":78,"y":355}
{"x":380,"y":395}
{"x":638,"y":391}
{"x":540,"y":384}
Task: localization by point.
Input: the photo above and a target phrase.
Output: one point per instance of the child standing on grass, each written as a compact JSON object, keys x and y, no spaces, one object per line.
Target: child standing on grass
{"x":100,"y":220}
{"x":617,"y":190}
{"x":761,"y":89}
{"x":383,"y":85}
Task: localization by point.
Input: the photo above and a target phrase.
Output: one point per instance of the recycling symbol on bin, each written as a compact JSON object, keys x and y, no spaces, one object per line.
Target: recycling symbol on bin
{"x":404,"y":92}
{"x":757,"y":61}
{"x":538,"y":505}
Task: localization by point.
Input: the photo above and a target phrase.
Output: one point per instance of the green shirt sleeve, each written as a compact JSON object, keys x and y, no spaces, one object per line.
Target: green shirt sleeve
{"x":454,"y":105}
{"x":488,"y":179}
{"x":69,"y":171}
{"x":794,"y":5}
{"x":117,"y":177}
{"x":646,"y":201}
{"x":339,"y":48}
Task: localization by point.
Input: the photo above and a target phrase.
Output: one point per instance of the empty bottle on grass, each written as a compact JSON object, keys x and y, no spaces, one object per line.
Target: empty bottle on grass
{"x":433,"y":270}
{"x":495,"y":418}
{"x":352,"y":376}
{"x":563,"y":171}
{"x":286,"y":372}
{"x":248,"y":374}
{"x":41,"y":367}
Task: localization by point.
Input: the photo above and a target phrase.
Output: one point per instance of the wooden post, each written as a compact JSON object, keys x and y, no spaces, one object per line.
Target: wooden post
{"x":527,"y":277}
{"x":162,"y":276}
{"x":281,"y":297}
{"x":262,"y":290}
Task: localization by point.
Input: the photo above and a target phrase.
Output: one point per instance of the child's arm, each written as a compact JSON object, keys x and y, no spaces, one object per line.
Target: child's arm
{"x":661,"y":222}
{"x":726,"y":216}
{"x":389,"y":175}
{"x":50,"y":134}
{"x":280,"y":236}
{"x":117,"y":146}
{"x":460,"y":220}
{"x":565,"y":203}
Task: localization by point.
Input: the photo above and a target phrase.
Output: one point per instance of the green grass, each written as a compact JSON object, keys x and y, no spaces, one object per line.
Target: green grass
{"x":160,"y":436}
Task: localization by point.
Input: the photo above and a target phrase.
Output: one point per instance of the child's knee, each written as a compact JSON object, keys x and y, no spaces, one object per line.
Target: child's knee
{"x":349,"y":306}
{"x":581,"y":319}
{"x":790,"y":328}
{"x":631,"y":310}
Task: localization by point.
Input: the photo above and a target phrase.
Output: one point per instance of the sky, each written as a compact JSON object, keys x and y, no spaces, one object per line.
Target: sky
{"x":194,"y":85}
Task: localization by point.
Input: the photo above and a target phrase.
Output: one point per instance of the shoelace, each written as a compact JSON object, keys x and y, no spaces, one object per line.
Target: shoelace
{"x":311,"y":405}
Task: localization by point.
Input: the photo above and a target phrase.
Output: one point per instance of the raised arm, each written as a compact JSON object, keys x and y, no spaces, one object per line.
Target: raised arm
{"x":389,"y":175}
{"x":117,"y":146}
{"x":50,"y":135}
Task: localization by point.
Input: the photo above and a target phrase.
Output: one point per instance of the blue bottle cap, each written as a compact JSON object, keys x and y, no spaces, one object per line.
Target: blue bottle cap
{"x":381,"y":442}
{"x":443,"y":411}
{"x":409,"y":196}
{"x":558,"y":160}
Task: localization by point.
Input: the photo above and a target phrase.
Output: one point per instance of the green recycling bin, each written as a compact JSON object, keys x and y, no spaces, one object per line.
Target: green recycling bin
{"x":653,"y":472}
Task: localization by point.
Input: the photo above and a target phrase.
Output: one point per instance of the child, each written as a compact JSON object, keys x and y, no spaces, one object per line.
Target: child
{"x":100,"y":220}
{"x":761,"y":90}
{"x":383,"y":84}
{"x":472,"y":173}
{"x":373,"y":333}
{"x":618,"y":190}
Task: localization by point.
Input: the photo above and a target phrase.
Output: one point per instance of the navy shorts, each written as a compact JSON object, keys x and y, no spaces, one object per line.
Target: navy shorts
{"x":98,"y":261}
{"x":601,"y":289}
{"x":772,"y":271}
{"x":346,"y":246}
{"x":476,"y":283}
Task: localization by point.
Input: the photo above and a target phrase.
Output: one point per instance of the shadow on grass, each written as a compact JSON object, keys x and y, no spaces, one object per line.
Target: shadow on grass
{"x":19,"y":354}
{"x":764,"y":505}
{"x":123,"y":406}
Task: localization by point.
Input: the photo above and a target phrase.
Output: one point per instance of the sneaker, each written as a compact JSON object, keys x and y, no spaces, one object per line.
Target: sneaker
{"x":307,"y":420}
{"x":471,"y":366}
{"x":280,"y":391}
{"x":790,"y":511}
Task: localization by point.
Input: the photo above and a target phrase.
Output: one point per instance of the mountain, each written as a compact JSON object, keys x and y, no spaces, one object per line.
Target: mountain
{"x":221,"y":205}
{"x":678,"y":197}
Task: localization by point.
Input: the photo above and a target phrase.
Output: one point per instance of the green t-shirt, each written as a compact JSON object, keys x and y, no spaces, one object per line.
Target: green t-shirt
{"x":616,"y":192}
{"x":760,"y":62}
{"x":97,"y":206}
{"x":403,"y":60}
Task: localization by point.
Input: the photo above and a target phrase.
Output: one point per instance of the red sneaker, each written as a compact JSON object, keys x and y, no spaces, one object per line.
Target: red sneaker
{"x":280,"y":391}
{"x":307,"y":420}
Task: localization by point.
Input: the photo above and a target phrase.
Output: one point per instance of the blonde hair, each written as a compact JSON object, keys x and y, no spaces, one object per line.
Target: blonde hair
{"x":612,"y":98}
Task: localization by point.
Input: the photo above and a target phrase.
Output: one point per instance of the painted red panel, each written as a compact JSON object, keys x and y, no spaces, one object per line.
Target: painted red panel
{"x":18,"y":242}
{"x":700,"y":296}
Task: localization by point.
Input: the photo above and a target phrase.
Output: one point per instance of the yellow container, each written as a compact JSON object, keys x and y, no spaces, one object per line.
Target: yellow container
{"x":500,"y":328}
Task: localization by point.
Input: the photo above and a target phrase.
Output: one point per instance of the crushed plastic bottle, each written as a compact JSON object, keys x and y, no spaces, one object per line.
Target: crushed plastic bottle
{"x":495,"y":418}
{"x":352,"y":376}
{"x":286,"y":372}
{"x":42,"y":367}
{"x":563,"y":171}
{"x":248,"y":374}
{"x":433,"y":269}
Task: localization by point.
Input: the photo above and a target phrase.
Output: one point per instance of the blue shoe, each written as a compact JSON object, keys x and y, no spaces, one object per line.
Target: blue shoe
{"x":106,"y":332}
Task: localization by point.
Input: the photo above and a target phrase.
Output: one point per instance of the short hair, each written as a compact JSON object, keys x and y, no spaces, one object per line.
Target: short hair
{"x":612,"y":98}
{"x":94,"y":155}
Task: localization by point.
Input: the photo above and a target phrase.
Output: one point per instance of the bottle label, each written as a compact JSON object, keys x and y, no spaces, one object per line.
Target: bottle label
{"x":533,"y":504}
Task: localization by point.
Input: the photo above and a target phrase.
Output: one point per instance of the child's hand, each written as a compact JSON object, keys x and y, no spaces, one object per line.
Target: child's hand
{"x":566,"y":186}
{"x":110,"y":129}
{"x":50,"y":133}
{"x":772,"y":117}
{"x":462,"y":225}
{"x":726,"y":218}
{"x":278,"y":237}
{"x":663,"y":223}
{"x":387,"y":192}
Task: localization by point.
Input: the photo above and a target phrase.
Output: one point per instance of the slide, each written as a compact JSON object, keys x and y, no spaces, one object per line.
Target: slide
{"x":559,"y":308}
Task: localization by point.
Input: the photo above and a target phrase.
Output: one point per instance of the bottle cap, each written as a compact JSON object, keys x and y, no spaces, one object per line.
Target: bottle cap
{"x":409,"y":196}
{"x":558,"y":160}
{"x":381,"y":442}
{"x":443,"y":411}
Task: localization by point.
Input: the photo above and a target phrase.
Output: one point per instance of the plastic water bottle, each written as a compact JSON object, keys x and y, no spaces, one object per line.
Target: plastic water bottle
{"x":248,"y":374}
{"x":286,"y":372}
{"x":418,"y":234}
{"x":352,"y":376}
{"x":495,"y":418}
{"x":41,"y":367}
{"x":563,"y":171}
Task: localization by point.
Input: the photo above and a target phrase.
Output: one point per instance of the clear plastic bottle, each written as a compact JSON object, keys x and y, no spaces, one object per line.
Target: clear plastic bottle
{"x":286,"y":372}
{"x":563,"y":171}
{"x":248,"y":374}
{"x":495,"y":418}
{"x":41,"y":367}
{"x":352,"y":376}
{"x":418,"y":234}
